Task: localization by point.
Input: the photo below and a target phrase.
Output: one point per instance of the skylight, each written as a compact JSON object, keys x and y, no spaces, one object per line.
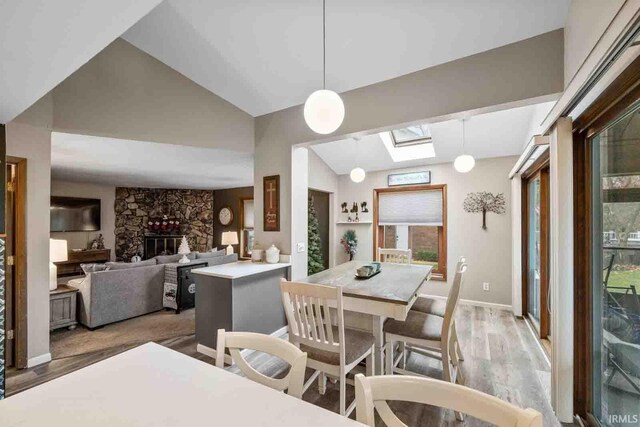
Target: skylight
{"x":414,"y":148}
{"x":412,"y":135}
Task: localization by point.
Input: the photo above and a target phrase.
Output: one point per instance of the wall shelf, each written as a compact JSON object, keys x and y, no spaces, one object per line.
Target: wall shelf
{"x":354,"y":223}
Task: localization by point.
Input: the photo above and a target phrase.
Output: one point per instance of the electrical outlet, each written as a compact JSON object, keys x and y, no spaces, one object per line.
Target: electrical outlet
{"x":300,"y":247}
{"x":485,"y":286}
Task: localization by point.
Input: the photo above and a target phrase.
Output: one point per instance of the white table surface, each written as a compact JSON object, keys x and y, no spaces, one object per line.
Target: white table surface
{"x":154,"y":386}
{"x":235,"y":270}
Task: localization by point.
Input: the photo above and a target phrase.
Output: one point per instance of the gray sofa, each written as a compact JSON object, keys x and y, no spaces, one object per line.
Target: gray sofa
{"x":129,"y":290}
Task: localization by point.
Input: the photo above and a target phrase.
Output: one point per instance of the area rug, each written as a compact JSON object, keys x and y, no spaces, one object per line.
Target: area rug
{"x":150,"y":327}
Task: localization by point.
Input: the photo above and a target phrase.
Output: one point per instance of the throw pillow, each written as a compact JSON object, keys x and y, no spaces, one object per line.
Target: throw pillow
{"x":93,"y":268}
{"x":204,"y":255}
{"x":125,"y":265}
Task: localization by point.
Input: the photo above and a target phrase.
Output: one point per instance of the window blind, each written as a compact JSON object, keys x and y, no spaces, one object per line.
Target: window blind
{"x":410,"y":208}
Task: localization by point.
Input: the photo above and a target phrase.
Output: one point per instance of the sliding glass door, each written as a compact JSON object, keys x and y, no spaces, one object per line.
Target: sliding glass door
{"x":536,"y":249}
{"x":615,"y":251}
{"x":534,"y":273}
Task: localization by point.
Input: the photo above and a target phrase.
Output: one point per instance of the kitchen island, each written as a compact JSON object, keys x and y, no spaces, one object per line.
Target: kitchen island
{"x":239,"y":296}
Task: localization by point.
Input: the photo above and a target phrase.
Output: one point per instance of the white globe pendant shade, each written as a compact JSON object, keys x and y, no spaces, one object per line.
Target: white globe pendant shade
{"x":464,"y":163}
{"x":324,"y":111}
{"x":357,"y":174}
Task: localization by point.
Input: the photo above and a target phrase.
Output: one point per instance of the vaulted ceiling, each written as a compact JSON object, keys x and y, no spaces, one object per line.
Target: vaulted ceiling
{"x":265,"y":56}
{"x":43,"y":42}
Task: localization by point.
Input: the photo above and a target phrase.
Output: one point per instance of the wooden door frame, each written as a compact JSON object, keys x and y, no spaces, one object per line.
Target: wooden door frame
{"x":539,"y":169}
{"x":20,"y":261}
{"x":442,"y":231}
{"x":620,"y":97}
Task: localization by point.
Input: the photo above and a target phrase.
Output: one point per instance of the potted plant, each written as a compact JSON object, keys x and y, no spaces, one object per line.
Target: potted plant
{"x":349,"y":242}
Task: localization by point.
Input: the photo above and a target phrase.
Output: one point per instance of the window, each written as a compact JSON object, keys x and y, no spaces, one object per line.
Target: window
{"x":615,"y":166}
{"x":246,"y":227}
{"x":411,"y":135}
{"x":413,"y":218}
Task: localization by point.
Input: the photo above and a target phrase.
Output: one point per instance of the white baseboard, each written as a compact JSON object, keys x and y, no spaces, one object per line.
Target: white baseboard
{"x":38,"y":360}
{"x":211,"y":352}
{"x":507,"y":307}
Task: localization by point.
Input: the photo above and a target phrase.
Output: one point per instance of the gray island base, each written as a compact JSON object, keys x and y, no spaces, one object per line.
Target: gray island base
{"x":241,"y":296}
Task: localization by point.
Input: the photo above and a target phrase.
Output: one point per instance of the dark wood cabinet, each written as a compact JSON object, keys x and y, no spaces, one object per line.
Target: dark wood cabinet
{"x":71,"y":267}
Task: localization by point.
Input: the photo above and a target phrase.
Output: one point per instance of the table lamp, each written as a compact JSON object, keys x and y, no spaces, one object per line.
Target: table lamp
{"x":229,"y":238}
{"x":57,"y":253}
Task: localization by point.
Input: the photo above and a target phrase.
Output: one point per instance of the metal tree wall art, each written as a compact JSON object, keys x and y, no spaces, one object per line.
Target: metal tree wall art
{"x":484,"y":202}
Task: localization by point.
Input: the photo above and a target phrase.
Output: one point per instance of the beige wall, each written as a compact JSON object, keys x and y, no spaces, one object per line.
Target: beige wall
{"x":29,"y":137}
{"x":586,"y":22}
{"x":488,"y":252}
{"x":107,"y":195}
{"x":517,"y":74}
{"x":125,"y":93}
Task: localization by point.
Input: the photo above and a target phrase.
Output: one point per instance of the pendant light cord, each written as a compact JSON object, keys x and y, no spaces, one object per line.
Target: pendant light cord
{"x":463,"y":138}
{"x":324,"y":46}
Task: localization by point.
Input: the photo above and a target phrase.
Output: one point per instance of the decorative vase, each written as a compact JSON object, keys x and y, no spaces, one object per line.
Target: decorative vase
{"x":273,"y":254}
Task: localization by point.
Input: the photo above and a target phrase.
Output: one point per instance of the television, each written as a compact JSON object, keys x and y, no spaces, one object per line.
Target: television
{"x":74,"y":214}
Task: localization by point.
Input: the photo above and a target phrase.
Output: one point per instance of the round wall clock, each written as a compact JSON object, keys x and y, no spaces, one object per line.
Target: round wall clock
{"x":225,"y":216}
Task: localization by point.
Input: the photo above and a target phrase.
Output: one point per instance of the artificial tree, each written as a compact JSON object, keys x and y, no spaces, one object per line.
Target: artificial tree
{"x":315,"y":261}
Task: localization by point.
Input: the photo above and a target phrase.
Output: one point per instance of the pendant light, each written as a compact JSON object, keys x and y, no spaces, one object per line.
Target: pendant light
{"x":357,"y":174}
{"x":324,"y":110}
{"x":465,"y":162}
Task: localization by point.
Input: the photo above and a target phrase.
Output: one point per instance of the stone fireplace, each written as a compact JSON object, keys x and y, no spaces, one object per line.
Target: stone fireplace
{"x":134,"y":207}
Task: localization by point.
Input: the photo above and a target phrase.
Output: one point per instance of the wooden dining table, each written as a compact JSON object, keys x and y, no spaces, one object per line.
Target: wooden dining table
{"x":153,"y":386}
{"x":369,"y":302}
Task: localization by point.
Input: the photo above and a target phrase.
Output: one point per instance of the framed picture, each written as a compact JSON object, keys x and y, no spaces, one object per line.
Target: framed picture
{"x":271,"y":202}
{"x":411,"y":178}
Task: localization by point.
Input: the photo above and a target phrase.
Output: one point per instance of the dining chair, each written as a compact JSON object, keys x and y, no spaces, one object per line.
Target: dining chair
{"x":372,"y":393}
{"x":293,"y":382}
{"x":427,"y":334}
{"x":438,"y":307}
{"x":331,"y":348}
{"x":396,"y":256}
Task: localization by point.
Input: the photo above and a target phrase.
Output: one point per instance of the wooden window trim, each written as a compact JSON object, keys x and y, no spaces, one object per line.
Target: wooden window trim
{"x":542,"y":172}
{"x":622,"y":95}
{"x":441,"y":273}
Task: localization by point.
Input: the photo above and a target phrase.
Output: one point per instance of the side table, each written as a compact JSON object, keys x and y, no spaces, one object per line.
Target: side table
{"x":62,"y":308}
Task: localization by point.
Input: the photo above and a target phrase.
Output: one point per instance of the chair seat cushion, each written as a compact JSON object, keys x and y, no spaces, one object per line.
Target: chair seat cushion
{"x":357,"y":343}
{"x":430,"y":306}
{"x":417,"y":325}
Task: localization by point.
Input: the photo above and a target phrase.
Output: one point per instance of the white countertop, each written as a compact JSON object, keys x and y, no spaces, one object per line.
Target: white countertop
{"x":235,"y":270}
{"x":153,"y":386}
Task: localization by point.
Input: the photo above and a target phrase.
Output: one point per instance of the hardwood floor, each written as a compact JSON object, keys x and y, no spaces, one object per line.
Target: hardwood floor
{"x":501,"y":358}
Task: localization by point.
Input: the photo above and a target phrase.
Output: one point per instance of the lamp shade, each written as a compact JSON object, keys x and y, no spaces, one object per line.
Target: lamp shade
{"x":464,"y":163}
{"x":357,"y":175}
{"x":57,"y":250}
{"x":324,"y":111}
{"x":230,"y":238}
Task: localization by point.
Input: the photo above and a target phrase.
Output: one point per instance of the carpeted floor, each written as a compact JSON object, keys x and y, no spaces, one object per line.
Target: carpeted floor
{"x":150,"y":327}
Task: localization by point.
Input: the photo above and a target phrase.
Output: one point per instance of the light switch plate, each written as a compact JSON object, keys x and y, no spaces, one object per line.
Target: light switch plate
{"x":300,"y":247}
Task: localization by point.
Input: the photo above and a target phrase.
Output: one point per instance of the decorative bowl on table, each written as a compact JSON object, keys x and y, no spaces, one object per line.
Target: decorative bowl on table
{"x":368,"y":270}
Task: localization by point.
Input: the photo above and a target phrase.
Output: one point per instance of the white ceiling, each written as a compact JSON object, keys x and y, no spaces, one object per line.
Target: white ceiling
{"x":147,"y":164}
{"x":43,"y":42}
{"x":264,"y":56}
{"x":497,"y":134}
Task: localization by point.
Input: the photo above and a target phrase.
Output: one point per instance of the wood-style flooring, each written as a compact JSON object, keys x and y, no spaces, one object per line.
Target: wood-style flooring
{"x":502,"y":358}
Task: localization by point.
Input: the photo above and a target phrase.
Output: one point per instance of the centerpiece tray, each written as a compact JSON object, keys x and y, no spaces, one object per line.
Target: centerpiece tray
{"x":369,"y":276}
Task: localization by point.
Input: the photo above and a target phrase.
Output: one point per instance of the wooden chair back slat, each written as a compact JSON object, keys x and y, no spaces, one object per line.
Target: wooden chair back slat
{"x":293,"y":382}
{"x":396,"y":256}
{"x":307,"y":307}
{"x":374,"y":393}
